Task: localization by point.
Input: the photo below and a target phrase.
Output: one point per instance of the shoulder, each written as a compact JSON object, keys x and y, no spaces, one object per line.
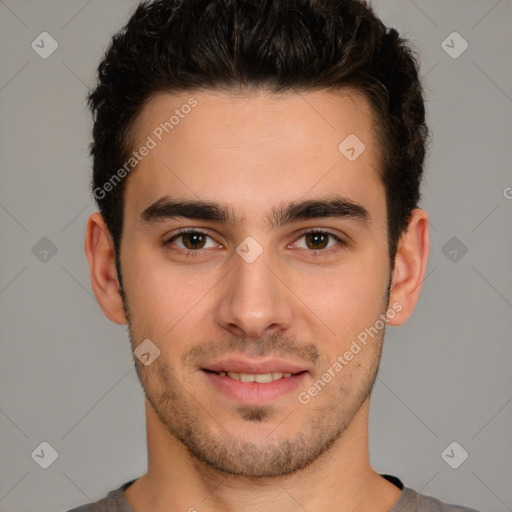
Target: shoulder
{"x":114,"y":502}
{"x":412,"y":501}
{"x":98,"y":506}
{"x":431,"y":504}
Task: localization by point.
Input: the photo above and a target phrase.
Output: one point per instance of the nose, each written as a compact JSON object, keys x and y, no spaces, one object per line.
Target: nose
{"x":254,"y":302}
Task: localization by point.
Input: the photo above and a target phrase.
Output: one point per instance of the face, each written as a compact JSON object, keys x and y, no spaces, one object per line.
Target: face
{"x":252,"y":245}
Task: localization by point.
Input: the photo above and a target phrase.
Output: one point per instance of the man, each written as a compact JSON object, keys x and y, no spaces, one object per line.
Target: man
{"x":257,"y":169}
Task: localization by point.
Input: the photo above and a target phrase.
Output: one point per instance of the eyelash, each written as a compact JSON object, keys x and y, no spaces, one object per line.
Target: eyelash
{"x":189,"y":253}
{"x":320,"y":253}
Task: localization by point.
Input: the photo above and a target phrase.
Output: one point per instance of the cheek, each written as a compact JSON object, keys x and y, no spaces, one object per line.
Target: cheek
{"x":160,"y":295}
{"x":348,"y":299}
{"x":146,"y":284}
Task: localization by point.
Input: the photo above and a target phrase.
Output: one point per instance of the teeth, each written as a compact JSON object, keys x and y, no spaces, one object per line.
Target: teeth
{"x":266,"y":377}
{"x":261,"y":378}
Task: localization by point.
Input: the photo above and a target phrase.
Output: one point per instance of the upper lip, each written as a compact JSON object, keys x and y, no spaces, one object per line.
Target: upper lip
{"x":240,"y":366}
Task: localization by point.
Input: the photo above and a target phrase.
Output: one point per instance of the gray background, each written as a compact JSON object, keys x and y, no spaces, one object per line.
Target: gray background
{"x":66,"y":374}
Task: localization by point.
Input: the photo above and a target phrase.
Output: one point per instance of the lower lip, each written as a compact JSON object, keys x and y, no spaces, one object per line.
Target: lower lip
{"x":254,"y":392}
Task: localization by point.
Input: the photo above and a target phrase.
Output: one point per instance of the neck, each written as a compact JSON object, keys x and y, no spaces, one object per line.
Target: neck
{"x":341,"y":479}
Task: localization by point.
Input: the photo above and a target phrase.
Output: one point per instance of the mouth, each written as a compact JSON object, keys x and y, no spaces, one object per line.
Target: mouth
{"x":260,"y":378}
{"x":255,"y":386}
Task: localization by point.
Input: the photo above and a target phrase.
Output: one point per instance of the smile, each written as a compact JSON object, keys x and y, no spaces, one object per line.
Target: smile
{"x":261,"y":378}
{"x":255,"y":388}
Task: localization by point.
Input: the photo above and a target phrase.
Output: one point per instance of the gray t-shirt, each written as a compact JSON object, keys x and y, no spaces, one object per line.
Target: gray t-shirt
{"x":409,"y":501}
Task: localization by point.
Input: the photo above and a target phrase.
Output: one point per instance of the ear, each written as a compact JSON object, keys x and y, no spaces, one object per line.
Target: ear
{"x":99,"y":250}
{"x":409,"y":269}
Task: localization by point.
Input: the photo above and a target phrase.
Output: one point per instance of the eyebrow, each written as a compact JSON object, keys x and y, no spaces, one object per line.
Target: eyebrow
{"x":167,"y":208}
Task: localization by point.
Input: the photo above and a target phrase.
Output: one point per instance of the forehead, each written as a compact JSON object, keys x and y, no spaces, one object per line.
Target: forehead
{"x":255,"y":148}
{"x":229,"y":118}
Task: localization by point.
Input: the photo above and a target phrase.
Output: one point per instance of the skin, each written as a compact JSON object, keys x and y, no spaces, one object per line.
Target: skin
{"x":255,"y":151}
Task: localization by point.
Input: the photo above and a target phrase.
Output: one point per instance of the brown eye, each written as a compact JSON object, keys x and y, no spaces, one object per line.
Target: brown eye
{"x":193,"y":240}
{"x":319,"y":243}
{"x":317,"y":240}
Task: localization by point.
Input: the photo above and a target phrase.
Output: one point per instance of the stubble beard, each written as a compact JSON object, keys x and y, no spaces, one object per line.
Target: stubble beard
{"x":215,"y":448}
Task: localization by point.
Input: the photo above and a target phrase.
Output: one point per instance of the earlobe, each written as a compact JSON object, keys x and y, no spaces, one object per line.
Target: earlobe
{"x":99,"y":250}
{"x":410,"y":265}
